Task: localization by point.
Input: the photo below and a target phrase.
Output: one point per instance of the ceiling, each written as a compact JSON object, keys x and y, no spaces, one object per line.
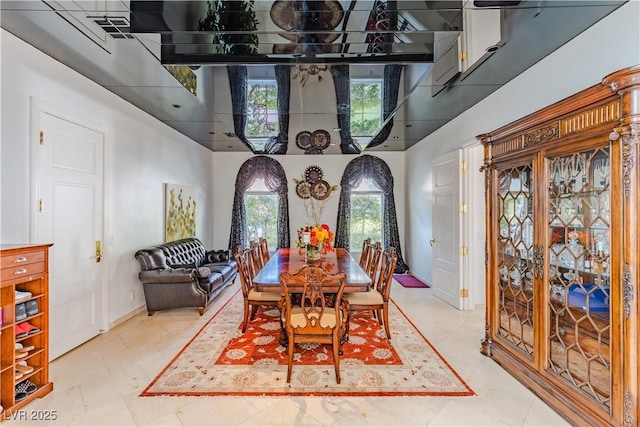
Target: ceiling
{"x":124,"y":46}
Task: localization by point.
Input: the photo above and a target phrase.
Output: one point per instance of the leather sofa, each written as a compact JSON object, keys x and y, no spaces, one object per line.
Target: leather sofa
{"x":183,"y":273}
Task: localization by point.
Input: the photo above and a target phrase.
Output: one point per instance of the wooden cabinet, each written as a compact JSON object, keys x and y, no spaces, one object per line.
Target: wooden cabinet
{"x":24,"y":268}
{"x":562,"y":190}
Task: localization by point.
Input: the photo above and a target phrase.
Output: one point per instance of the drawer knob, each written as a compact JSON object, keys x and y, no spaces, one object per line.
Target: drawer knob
{"x":21,"y":259}
{"x":21,"y":271}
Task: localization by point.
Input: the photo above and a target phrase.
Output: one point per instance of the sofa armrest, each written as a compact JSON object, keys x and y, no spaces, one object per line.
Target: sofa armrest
{"x":216,"y":255}
{"x":168,"y":275}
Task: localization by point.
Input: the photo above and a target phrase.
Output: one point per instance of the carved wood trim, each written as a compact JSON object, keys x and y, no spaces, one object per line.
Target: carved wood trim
{"x":629,"y":143}
{"x":629,"y":420}
{"x":538,"y":261}
{"x":628,"y":291}
{"x":542,"y":134}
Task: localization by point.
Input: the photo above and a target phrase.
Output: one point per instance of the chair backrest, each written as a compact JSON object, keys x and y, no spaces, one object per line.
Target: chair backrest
{"x":255,"y":257}
{"x":364,"y":255}
{"x":389,"y":259}
{"x":314,"y":318}
{"x":371,"y":268}
{"x":264,"y":250}
{"x":243,"y":262}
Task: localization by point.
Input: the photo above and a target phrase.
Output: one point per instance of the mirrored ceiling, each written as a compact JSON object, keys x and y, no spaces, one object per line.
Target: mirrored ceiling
{"x":193,"y":64}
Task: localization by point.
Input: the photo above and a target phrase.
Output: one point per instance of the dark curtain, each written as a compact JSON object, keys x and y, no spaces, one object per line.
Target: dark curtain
{"x":279,"y":144}
{"x":375,"y":169}
{"x":238,"y":86}
{"x":342,"y":86}
{"x":276,"y":180}
{"x":392,"y":73}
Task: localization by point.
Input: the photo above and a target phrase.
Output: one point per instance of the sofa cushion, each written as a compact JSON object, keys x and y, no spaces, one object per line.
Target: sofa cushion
{"x":227,"y":269}
{"x":219,"y":255}
{"x":211,"y":281}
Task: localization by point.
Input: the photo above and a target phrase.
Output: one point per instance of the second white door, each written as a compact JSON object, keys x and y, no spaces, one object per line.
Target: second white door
{"x":446,"y":225}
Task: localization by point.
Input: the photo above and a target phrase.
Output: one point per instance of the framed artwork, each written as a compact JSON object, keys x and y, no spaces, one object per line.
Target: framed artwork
{"x":179,"y":212}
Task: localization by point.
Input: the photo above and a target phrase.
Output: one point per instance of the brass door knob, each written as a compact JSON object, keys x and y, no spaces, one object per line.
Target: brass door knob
{"x":432,"y":241}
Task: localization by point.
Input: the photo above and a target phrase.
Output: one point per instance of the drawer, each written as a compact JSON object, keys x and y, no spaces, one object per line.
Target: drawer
{"x":17,"y":272}
{"x":8,"y":261}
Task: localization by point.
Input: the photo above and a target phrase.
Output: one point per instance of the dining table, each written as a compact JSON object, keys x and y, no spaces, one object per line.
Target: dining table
{"x":293,"y":259}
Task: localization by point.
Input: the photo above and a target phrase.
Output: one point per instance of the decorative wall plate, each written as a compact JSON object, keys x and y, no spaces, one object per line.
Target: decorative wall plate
{"x":313,"y":173}
{"x":303,"y":190}
{"x":303,"y":139}
{"x":320,"y":139}
{"x":320,"y":189}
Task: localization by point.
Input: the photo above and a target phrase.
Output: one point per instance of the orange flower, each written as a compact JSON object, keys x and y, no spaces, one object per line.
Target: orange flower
{"x":320,"y":237}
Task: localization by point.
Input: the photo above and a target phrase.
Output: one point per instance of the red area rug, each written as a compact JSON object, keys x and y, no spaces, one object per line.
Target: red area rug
{"x":220,"y":360}
{"x":409,"y":281}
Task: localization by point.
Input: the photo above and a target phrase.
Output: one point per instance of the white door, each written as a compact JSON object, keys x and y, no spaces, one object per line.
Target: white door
{"x":68,"y":170}
{"x":446,"y":229}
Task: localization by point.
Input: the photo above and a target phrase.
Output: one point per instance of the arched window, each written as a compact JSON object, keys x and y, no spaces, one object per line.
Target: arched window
{"x":261,"y":205}
{"x":378,"y":173}
{"x":366,"y":214}
{"x":275,"y":180}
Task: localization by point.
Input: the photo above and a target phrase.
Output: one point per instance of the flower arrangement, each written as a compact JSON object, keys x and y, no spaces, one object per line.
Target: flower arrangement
{"x":316,"y":238}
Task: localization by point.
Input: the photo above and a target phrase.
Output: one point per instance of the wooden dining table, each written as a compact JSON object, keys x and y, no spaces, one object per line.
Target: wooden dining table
{"x":293,"y":259}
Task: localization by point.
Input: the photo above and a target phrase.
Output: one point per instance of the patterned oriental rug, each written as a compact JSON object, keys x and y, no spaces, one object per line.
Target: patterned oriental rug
{"x":220,"y":360}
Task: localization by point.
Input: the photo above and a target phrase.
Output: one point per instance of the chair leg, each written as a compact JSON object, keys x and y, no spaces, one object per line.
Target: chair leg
{"x":385,"y":312}
{"x":380,"y":317}
{"x":336,"y":357}
{"x":254,"y":310}
{"x":290,"y":360}
{"x":246,"y":316}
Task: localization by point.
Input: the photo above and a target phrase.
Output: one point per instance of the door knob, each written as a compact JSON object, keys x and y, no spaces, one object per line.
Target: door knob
{"x":432,"y":241}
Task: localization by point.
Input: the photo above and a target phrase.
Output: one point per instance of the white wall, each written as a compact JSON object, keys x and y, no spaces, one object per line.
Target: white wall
{"x":611,"y":44}
{"x":226,"y":166}
{"x":141,"y":154}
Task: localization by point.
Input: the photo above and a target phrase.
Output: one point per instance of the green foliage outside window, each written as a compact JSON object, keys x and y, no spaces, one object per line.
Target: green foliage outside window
{"x":262,"y":110}
{"x":262,"y":216}
{"x":366,"y":218}
{"x":366,"y":107}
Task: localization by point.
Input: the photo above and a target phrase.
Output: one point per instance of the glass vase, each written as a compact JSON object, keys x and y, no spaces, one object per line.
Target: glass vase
{"x":313,"y":253}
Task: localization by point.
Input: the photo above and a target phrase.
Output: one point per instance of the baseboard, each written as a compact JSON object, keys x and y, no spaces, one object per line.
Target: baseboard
{"x":127,"y":316}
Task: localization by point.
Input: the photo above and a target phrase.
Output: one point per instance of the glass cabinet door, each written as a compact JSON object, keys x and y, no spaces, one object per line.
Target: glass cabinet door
{"x":515,"y":256}
{"x":579,"y":274}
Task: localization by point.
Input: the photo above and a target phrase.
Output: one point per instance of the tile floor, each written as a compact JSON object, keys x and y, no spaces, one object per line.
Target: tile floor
{"x":98,"y":383}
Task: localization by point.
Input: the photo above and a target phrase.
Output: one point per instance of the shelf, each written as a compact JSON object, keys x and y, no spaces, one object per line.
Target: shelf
{"x":24,"y":269}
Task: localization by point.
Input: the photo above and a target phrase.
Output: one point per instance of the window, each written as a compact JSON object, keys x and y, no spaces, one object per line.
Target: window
{"x":366,"y":214}
{"x":262,"y":213}
{"x":262,"y":109}
{"x":366,"y":107}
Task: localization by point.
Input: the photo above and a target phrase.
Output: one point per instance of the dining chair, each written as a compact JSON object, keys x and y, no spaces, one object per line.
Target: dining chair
{"x":373,"y":260}
{"x":313,"y":321}
{"x":252,"y":298}
{"x":364,"y":255}
{"x":255,"y":257}
{"x":264,"y":250}
{"x":377,"y":299}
